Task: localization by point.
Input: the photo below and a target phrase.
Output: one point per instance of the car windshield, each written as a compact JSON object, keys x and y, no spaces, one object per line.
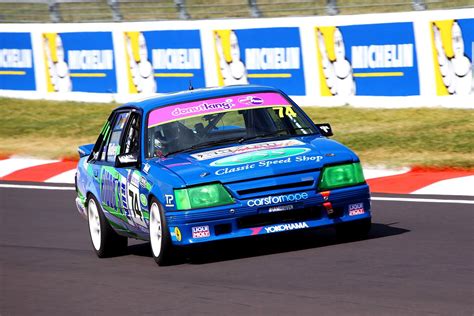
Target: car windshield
{"x":218,"y":121}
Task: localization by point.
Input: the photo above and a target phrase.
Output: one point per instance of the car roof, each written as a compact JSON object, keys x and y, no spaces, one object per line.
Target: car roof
{"x":197,"y":94}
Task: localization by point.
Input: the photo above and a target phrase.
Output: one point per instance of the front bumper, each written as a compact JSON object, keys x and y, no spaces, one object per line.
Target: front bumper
{"x":241,"y":220}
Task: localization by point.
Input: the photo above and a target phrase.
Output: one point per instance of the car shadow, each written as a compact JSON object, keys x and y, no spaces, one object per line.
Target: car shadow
{"x":233,"y":249}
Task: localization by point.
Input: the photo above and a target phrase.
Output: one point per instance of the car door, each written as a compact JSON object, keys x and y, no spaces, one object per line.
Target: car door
{"x":135,"y":188}
{"x":108,"y":180}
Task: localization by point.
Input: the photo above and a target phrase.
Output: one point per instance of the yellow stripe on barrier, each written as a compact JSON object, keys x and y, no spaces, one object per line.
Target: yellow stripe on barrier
{"x":269,"y":75}
{"x":92,"y":75}
{"x":14,"y":73}
{"x":379,"y":74}
{"x":174,"y":74}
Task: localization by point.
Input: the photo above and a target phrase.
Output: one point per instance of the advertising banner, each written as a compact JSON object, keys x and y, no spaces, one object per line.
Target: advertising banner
{"x":164,"y":61}
{"x":453,"y":45}
{"x":368,"y":60}
{"x":17,"y":71}
{"x":264,"y":56}
{"x":80,"y":61}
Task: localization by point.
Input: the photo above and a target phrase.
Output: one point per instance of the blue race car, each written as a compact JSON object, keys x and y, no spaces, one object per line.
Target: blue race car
{"x":211,"y":164}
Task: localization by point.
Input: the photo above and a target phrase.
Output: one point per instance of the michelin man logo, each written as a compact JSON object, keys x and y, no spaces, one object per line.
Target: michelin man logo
{"x":454,"y":66}
{"x":57,"y":70}
{"x":230,"y":67}
{"x":141,"y":74}
{"x":336,"y":69}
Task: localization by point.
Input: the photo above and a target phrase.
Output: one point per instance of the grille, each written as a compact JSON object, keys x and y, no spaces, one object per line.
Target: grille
{"x":311,"y":213}
{"x":277,"y":187}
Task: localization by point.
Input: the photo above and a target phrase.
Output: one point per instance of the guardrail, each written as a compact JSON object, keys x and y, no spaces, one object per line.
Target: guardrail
{"x":23,"y":11}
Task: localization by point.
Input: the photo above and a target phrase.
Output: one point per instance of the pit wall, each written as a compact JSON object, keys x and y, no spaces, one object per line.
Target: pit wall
{"x":377,"y":60}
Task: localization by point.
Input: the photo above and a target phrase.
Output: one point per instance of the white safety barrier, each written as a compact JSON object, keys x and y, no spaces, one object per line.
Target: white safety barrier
{"x":422,"y":58}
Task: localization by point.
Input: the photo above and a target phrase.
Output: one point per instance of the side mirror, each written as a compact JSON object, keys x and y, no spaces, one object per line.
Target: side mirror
{"x":126,"y":160}
{"x":325,"y":129}
{"x":85,"y":150}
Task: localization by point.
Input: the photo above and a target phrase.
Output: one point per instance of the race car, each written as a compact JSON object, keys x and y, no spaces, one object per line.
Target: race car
{"x":216,"y":163}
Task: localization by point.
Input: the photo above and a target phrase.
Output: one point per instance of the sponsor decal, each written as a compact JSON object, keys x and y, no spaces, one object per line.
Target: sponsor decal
{"x":201,"y":231}
{"x":295,"y":197}
{"x":266,"y":56}
{"x":203,"y":107}
{"x":251,"y":100}
{"x":452,"y":43}
{"x":280,"y":208}
{"x":177,"y":234}
{"x":356,"y":209}
{"x":146,"y":168}
{"x":260,"y":155}
{"x":17,"y":69}
{"x":216,"y":105}
{"x":245,"y":148}
{"x":135,"y":180}
{"x":351,"y":64}
{"x":143,"y":182}
{"x":268,"y":163}
{"x":163,"y":61}
{"x":286,"y":227}
{"x":79,"y":61}
{"x":143,"y":199}
{"x":169,"y":198}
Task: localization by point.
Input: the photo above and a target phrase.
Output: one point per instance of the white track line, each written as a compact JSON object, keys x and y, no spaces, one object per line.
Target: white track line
{"x":422,"y":200}
{"x":394,"y":199}
{"x":38,"y":187}
{"x":11,"y":165}
{"x":457,"y":186}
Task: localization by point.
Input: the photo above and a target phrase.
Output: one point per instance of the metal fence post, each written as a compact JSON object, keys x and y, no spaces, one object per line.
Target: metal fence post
{"x":181,"y":7}
{"x":419,"y":5}
{"x":116,"y":15}
{"x":54,"y":14}
{"x":331,"y":7}
{"x":254,"y":10}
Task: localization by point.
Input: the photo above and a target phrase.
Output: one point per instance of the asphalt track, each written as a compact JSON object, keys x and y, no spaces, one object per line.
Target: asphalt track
{"x":418,"y":260}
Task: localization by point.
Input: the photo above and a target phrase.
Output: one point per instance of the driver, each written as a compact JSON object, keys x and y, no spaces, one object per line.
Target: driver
{"x":172,"y":137}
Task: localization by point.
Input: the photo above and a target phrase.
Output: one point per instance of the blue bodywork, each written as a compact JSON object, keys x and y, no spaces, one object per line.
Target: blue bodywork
{"x":271,"y":195}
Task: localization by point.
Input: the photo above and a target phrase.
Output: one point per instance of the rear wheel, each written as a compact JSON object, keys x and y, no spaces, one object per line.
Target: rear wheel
{"x":354,"y":230}
{"x":160,"y":238}
{"x":105,"y":241}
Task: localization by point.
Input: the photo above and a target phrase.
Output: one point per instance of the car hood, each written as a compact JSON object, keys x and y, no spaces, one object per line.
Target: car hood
{"x":256,"y":160}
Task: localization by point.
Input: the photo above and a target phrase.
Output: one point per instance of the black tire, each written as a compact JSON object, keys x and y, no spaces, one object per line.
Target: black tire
{"x":355,"y":230}
{"x":160,"y":239}
{"x":105,"y":241}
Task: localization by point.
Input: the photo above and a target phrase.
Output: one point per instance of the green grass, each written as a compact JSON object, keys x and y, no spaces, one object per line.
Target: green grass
{"x":389,"y":137}
{"x":204,"y":9}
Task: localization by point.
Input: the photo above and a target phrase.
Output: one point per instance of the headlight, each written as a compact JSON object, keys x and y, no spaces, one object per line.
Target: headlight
{"x":341,"y":176}
{"x":202,"y":196}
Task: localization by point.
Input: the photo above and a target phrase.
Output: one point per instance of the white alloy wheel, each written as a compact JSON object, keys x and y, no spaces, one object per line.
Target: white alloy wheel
{"x":156,"y":230}
{"x":94,"y":224}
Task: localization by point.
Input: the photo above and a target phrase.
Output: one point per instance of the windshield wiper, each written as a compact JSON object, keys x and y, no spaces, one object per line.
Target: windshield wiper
{"x":244,"y":139}
{"x":205,"y":144}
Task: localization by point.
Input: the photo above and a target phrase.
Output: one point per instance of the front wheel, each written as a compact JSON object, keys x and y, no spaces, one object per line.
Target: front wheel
{"x":160,"y":238}
{"x":105,"y":241}
{"x":354,"y":230}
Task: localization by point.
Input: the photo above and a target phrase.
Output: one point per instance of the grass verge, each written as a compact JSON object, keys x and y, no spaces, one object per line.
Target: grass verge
{"x":390,"y":137}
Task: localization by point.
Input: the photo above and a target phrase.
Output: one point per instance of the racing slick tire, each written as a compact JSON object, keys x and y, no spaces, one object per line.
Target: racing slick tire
{"x":105,"y":241}
{"x":354,"y":230}
{"x":161,"y":247}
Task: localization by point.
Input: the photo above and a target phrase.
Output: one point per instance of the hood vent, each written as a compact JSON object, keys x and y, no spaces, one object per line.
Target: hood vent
{"x":277,"y":187}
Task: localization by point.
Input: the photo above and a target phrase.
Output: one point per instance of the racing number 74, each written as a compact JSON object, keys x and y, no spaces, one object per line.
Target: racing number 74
{"x":284,"y":110}
{"x":133,"y":197}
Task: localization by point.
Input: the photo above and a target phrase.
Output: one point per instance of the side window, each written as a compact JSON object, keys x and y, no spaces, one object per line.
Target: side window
{"x":112,"y":145}
{"x":131,"y":141}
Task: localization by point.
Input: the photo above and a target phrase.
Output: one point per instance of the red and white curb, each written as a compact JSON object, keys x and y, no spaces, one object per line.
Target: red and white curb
{"x":381,"y":180}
